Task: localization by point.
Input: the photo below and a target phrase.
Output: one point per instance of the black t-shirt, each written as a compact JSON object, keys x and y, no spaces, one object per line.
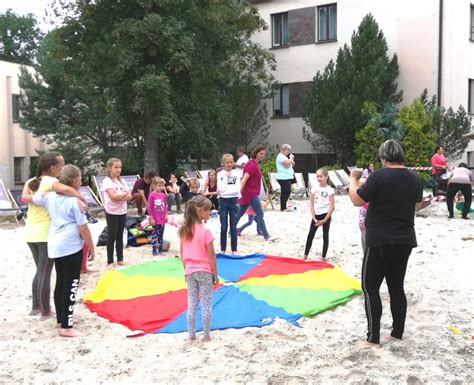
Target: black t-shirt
{"x":392,"y":194}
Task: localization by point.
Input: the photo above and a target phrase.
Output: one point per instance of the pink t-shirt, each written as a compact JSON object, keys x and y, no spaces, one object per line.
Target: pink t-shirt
{"x":112,"y":207}
{"x":438,"y":160}
{"x":194,"y":251}
{"x":252,"y":186}
{"x":157,"y":207}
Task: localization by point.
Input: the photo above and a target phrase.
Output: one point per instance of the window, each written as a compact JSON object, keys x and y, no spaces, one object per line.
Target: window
{"x":281,"y":101}
{"x":472,"y":23}
{"x":18,"y":170}
{"x":470,"y":98}
{"x":470,"y":159}
{"x":15,"y":108}
{"x":280,"y":30}
{"x":327,"y":22}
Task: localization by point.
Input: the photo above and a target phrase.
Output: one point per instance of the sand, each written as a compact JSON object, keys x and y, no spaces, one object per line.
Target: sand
{"x":438,"y":285}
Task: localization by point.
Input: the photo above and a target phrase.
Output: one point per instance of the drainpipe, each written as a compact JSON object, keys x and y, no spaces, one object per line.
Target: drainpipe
{"x":440,"y":51}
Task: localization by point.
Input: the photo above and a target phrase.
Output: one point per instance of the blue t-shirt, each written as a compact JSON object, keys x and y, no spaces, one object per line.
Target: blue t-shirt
{"x":64,"y":237}
{"x":282,"y":171}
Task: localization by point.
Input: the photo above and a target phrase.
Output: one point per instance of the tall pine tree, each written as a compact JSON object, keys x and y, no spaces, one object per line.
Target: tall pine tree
{"x":362,"y":72}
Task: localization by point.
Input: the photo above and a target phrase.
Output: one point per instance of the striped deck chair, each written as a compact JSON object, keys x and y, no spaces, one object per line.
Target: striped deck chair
{"x":274,"y":185}
{"x":343,"y":176}
{"x":301,"y":189}
{"x":337,"y":183}
{"x":99,"y":179}
{"x":93,"y":201}
{"x":203,"y":174}
{"x":8,"y":205}
{"x":312,"y":180}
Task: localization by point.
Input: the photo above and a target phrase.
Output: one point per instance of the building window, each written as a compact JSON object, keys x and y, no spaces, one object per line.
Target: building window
{"x":327,"y":22}
{"x":470,"y":159}
{"x":470,"y":98}
{"x":15,"y":108}
{"x":472,"y":23}
{"x":280,"y":30}
{"x":281,"y":101}
{"x":18,"y":170}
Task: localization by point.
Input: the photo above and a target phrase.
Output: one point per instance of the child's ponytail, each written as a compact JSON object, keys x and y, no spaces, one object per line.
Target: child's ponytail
{"x":45,"y":162}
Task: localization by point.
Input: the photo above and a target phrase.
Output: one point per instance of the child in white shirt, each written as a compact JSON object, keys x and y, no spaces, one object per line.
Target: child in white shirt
{"x":321,"y":206}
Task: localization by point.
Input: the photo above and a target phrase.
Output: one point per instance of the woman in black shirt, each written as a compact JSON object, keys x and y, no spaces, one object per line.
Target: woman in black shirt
{"x":392,"y":193}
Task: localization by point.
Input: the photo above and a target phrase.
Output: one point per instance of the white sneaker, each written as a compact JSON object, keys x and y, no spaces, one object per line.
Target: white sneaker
{"x":271,"y":239}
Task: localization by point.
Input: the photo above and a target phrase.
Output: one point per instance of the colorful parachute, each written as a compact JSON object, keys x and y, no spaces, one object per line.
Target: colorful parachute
{"x":254,"y":290}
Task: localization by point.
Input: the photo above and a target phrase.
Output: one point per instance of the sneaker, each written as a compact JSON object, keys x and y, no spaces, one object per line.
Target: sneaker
{"x":271,"y":239}
{"x":465,"y":217}
{"x":161,"y":253}
{"x":451,"y":216}
{"x":35,"y":311}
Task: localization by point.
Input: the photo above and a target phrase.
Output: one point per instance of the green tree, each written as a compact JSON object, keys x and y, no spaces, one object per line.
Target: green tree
{"x":454,"y":126}
{"x":19,"y":37}
{"x":163,"y":72}
{"x":362,"y":72}
{"x":382,"y":124}
{"x":418,"y":135}
{"x":448,"y":125}
{"x":70,"y":106}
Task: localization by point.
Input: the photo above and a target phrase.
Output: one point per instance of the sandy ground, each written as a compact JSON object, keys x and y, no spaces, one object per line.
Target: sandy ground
{"x":439,"y":290}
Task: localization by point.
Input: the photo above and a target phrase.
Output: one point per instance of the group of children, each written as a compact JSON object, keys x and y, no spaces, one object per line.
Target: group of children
{"x":196,"y":249}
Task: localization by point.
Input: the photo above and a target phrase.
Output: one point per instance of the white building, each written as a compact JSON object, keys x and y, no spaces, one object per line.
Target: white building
{"x":18,"y":148}
{"x":434,"y":41}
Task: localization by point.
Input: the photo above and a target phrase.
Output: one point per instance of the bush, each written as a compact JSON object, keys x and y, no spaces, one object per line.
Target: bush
{"x":269,"y":165}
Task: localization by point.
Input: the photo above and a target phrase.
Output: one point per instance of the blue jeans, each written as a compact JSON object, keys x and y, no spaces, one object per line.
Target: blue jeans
{"x":228,"y":209}
{"x":257,"y":207}
{"x":249,"y":222}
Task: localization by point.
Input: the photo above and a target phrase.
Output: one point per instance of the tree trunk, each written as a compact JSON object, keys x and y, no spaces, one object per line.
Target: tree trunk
{"x":151,"y":145}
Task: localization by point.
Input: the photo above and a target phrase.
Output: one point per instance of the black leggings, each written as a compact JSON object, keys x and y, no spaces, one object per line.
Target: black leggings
{"x":285,"y":185}
{"x":312,"y":232}
{"x":68,"y":272}
{"x":389,"y":262}
{"x":115,"y":228}
{"x":466,"y":190}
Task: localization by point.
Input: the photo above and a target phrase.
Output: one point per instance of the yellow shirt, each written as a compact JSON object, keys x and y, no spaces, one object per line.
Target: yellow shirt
{"x":38,"y":219}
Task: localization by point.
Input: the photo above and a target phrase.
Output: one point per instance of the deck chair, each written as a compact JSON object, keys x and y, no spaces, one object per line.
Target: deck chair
{"x":201,"y":184}
{"x":337,"y":183}
{"x":191,"y":174}
{"x":93,"y":202}
{"x":264,"y":195}
{"x":350,"y":168}
{"x":301,"y":185}
{"x":8,"y":205}
{"x":274,"y":185}
{"x":99,"y":179}
{"x":312,"y":180}
{"x":343,"y":176}
{"x":203,"y":173}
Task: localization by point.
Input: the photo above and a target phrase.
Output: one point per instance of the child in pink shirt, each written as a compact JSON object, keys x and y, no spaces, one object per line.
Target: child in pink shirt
{"x":157,"y":210}
{"x":251,"y":218}
{"x":199,"y":261}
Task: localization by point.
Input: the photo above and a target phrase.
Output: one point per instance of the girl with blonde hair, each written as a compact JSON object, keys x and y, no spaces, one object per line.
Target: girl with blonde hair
{"x":117,"y":193}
